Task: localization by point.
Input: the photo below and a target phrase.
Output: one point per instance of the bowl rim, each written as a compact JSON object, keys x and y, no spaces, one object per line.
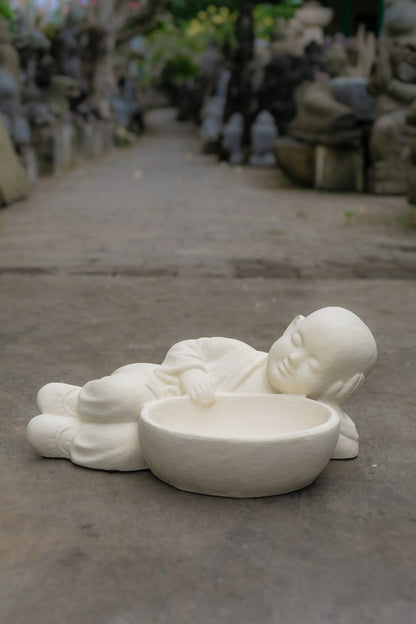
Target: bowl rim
{"x":328,"y":425}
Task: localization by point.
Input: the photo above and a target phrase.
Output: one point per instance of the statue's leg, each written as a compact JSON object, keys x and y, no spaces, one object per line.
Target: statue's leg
{"x":108,"y":446}
{"x":117,"y":398}
{"x":109,"y":409}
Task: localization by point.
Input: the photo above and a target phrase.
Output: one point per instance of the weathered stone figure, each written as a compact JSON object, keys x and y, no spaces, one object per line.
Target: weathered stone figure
{"x":393,"y":81}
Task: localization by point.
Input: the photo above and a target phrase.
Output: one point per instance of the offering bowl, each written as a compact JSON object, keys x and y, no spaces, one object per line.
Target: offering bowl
{"x":243,"y":446}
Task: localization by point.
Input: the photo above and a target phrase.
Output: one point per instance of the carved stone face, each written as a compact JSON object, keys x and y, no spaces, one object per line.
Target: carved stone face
{"x":299,"y":360}
{"x":321,"y":353}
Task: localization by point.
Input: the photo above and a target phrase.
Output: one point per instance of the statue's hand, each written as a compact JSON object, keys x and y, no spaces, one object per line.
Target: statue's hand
{"x":197,"y":385}
{"x":347,"y":428}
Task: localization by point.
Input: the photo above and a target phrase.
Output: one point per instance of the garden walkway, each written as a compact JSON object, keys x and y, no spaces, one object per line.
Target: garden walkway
{"x":113,"y":263}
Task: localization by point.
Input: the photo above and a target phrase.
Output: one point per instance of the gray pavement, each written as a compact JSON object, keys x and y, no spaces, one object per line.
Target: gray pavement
{"x":115,"y":262}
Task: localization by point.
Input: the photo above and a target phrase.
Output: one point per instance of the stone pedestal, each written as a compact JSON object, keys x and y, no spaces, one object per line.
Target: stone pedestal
{"x":387,"y":178}
{"x":296,"y":160}
{"x":411,"y":188}
{"x":339,"y":169}
{"x":64,"y":147}
{"x":29,"y":161}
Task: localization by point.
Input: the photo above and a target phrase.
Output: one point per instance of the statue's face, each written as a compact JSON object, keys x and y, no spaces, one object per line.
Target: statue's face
{"x":300,"y":361}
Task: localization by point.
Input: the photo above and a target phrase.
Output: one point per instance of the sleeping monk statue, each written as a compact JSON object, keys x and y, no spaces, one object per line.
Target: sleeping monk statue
{"x":325,"y":356}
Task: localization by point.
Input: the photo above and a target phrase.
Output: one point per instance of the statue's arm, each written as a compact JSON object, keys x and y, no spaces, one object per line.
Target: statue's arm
{"x":187,"y":361}
{"x":190,"y":361}
{"x":347,"y":444}
{"x":183,"y":356}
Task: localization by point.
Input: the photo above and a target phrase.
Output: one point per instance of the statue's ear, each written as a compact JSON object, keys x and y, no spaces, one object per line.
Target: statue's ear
{"x":295,"y":321}
{"x":339,"y":391}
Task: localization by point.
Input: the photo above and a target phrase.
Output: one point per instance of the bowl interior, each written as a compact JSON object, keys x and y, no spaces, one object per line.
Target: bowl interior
{"x":239,"y":416}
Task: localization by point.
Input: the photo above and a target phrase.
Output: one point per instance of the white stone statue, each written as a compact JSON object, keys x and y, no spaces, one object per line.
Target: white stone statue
{"x":325,"y":356}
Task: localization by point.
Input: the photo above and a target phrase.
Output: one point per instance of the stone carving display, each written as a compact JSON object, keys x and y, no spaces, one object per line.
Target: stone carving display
{"x":14,"y":183}
{"x":10,"y":90}
{"x":411,"y":121}
{"x":211,"y":126}
{"x":14,"y":119}
{"x":393,"y":81}
{"x":308,"y":25}
{"x":263,"y":136}
{"x":240,"y":89}
{"x":232,"y":138}
{"x":320,"y":119}
{"x":69,"y":48}
{"x":282,"y":76}
{"x":325,"y":356}
{"x":125,"y":102}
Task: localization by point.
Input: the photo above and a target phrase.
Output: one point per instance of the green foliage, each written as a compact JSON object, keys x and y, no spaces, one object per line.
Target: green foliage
{"x":6,"y":10}
{"x":184,"y":10}
{"x":178,"y":68}
{"x":349,"y":215}
{"x":266,"y":14}
{"x":184,"y":31}
{"x":174,"y":50}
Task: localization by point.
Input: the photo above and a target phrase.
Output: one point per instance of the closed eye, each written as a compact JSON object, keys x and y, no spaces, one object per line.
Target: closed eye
{"x":314,"y":366}
{"x":297,"y":339}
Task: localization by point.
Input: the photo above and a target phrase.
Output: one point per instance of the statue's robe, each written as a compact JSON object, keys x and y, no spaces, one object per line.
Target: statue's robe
{"x":109,"y":408}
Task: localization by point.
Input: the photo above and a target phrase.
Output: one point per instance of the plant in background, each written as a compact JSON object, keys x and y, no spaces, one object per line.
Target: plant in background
{"x":175,"y":47}
{"x":6,"y":10}
{"x":266,"y":14}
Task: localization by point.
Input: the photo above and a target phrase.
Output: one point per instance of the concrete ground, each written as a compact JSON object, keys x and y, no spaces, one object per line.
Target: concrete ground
{"x":115,"y":262}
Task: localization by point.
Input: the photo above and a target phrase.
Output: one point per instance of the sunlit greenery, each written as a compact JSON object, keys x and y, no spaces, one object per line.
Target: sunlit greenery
{"x":175,"y":47}
{"x":174,"y":50}
{"x":266,"y":14}
{"x":5,"y":10}
{"x":184,"y":10}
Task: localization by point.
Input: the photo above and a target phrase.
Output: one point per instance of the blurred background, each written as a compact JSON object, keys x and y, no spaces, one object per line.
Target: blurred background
{"x":324,"y":90}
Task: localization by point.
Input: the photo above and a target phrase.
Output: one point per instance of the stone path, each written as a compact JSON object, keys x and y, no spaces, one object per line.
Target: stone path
{"x":114,"y":263}
{"x":162,"y":207}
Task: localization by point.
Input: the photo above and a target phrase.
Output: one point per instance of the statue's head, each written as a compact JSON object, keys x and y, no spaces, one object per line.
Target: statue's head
{"x":336,"y":60}
{"x":326,"y":356}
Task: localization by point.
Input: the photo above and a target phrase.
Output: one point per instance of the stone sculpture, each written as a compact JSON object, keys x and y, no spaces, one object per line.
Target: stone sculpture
{"x":14,"y":184}
{"x":10,"y":90}
{"x":211,"y":126}
{"x":393,"y":81}
{"x":14,"y":127}
{"x":320,"y":119}
{"x":69,"y":47}
{"x":308,"y":25}
{"x":240,"y":90}
{"x":282,"y":76}
{"x":411,"y":121}
{"x":325,"y":356}
{"x":263,"y":136}
{"x":232,"y":140}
